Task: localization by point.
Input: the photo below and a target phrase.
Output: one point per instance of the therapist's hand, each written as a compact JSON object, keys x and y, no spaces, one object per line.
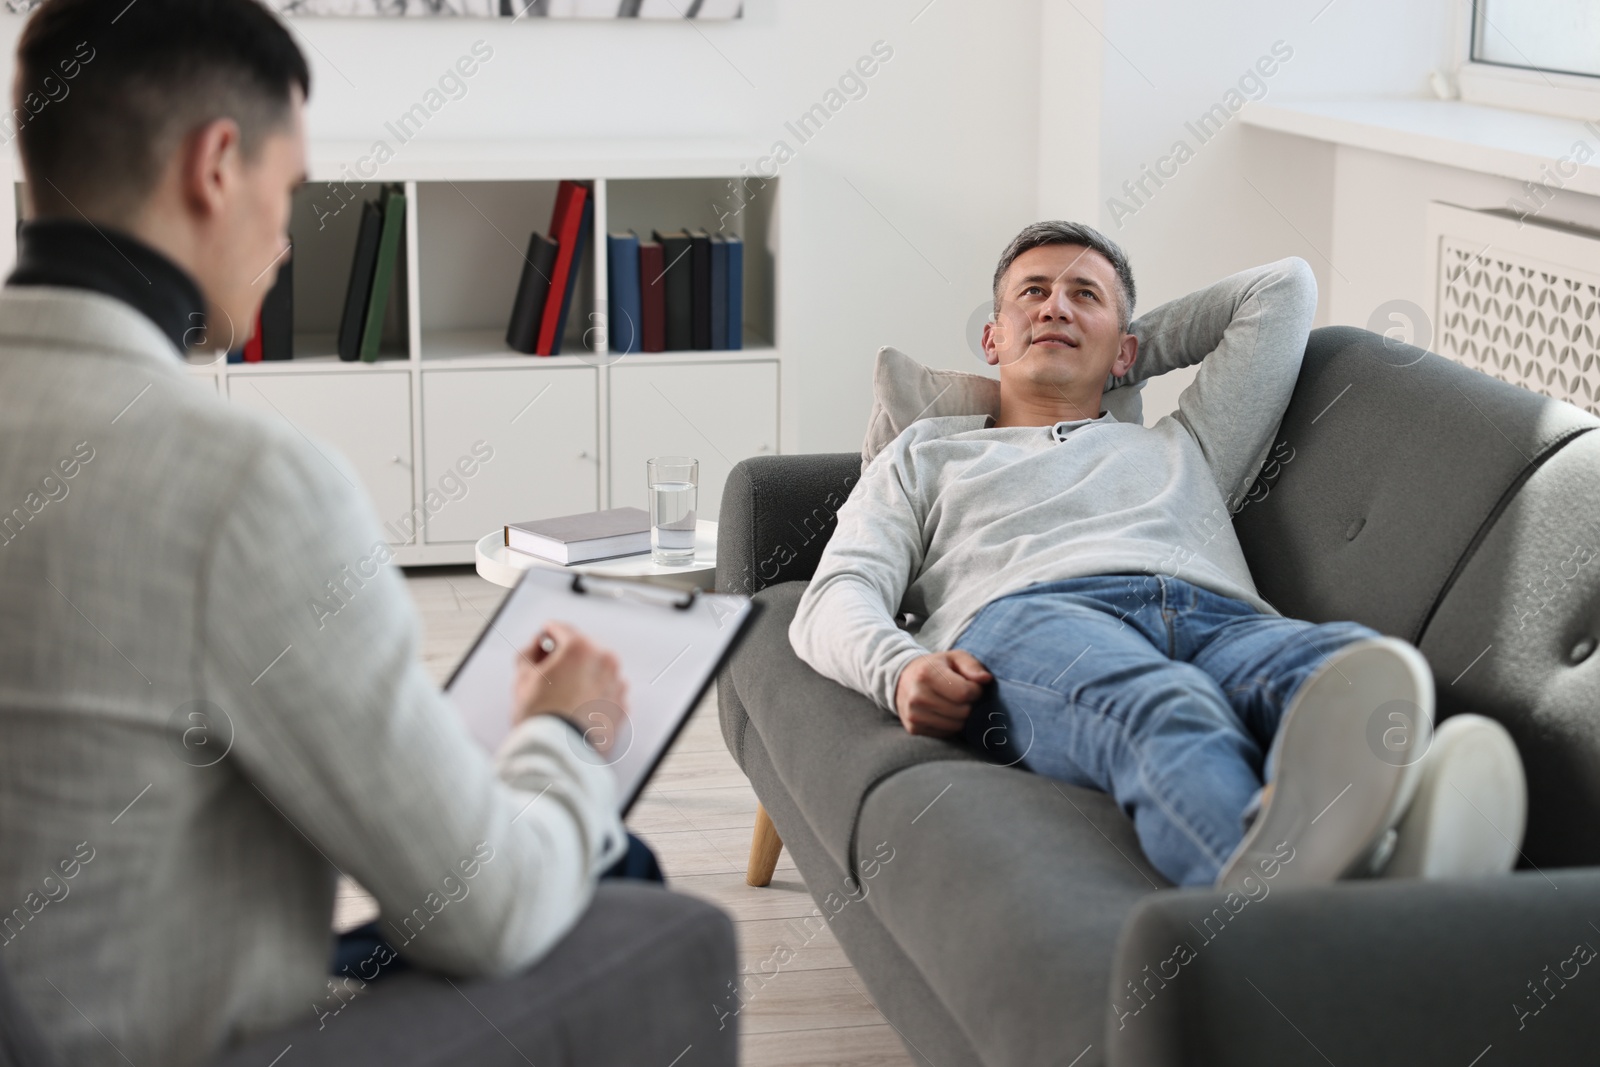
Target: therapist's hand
{"x":578,"y":680}
{"x":935,"y":692}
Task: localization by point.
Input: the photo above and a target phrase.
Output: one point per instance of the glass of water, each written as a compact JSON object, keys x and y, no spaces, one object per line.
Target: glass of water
{"x":674,"y":489}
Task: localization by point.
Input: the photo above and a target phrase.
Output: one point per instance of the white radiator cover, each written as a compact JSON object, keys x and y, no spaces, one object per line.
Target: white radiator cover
{"x":1518,"y":300}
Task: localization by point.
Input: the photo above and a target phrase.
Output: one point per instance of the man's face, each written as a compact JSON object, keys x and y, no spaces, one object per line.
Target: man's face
{"x":254,"y":230}
{"x":1059,"y":320}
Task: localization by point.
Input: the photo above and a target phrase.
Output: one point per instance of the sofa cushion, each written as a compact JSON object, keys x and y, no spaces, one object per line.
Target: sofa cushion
{"x":1007,"y":890}
{"x":1389,"y":463}
{"x":904,"y":391}
{"x":828,"y":744}
{"x":1515,"y":638}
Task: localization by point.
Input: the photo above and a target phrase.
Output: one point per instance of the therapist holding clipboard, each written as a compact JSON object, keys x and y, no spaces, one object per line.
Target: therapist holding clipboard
{"x":213,"y":706}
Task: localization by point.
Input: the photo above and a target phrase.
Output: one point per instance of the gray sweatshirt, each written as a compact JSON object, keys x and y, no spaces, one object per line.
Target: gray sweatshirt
{"x":957,"y":512}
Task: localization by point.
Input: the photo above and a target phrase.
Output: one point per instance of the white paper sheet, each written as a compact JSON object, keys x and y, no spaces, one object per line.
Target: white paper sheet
{"x":667,"y":656}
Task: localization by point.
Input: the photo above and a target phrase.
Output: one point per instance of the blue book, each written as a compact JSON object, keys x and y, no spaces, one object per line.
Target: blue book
{"x":625,"y":327}
{"x":236,"y":356}
{"x":584,"y":229}
{"x":719,"y":293}
{"x":735,"y":247}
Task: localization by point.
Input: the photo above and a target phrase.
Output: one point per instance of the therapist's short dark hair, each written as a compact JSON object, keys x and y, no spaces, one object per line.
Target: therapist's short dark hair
{"x":106,"y":91}
{"x":1040,"y":234}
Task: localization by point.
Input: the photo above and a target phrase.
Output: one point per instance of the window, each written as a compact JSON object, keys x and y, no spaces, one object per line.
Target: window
{"x":1554,"y":36}
{"x":1532,"y":55}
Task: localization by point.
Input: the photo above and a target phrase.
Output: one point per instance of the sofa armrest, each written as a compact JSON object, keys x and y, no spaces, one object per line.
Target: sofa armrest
{"x":777,"y":514}
{"x":1387,"y":973}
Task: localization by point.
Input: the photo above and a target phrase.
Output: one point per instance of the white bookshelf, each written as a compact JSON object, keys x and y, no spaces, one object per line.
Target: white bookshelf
{"x":567,"y":431}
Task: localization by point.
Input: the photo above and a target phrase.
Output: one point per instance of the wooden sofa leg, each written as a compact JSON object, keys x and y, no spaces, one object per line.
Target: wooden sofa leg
{"x":765,"y":844}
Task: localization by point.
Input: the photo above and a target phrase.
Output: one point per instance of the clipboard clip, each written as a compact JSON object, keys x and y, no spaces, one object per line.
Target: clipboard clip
{"x":634,"y":591}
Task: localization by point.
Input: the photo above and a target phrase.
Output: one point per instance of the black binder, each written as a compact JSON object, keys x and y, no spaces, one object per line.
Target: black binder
{"x":360,"y":287}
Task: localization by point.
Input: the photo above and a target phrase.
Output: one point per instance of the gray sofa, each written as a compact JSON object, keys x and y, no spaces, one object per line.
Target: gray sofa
{"x":1001,"y":918}
{"x":657,"y":961}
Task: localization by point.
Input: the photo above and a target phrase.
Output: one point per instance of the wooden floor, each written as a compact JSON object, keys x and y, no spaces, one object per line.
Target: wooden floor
{"x":697,"y":816}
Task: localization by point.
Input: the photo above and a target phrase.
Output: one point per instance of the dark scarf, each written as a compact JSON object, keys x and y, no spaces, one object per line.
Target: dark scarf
{"x":82,"y":255}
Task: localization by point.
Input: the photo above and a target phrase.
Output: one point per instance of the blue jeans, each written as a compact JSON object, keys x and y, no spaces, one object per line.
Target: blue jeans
{"x":1151,"y":689}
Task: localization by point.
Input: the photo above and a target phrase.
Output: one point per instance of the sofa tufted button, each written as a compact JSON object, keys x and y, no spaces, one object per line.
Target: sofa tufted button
{"x":1582,"y":650}
{"x":1354,"y":528}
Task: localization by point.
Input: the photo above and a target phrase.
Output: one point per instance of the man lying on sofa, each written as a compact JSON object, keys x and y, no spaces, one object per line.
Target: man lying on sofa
{"x":1086,"y":608}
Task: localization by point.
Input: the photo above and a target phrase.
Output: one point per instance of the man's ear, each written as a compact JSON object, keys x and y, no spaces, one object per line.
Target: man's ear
{"x":1126,"y":354}
{"x":991,"y":353}
{"x":208,"y":165}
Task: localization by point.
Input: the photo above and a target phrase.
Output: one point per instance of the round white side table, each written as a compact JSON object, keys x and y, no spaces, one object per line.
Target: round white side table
{"x":503,"y":566}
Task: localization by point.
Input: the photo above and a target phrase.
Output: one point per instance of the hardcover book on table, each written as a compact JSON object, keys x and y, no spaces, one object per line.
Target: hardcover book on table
{"x":583,"y":538}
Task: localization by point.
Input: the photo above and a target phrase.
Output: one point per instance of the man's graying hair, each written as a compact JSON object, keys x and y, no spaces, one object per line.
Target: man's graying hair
{"x":1041,"y":234}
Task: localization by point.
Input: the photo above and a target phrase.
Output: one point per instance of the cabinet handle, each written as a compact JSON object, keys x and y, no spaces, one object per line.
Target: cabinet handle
{"x":583,"y":453}
{"x":397,"y":459}
{"x":763,"y":448}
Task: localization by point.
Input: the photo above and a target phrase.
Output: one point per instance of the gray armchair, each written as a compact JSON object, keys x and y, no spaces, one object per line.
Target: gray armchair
{"x":1002,"y":918}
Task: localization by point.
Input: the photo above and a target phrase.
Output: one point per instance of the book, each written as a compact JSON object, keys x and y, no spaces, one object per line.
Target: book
{"x":252,"y":346}
{"x":527,"y":311}
{"x":699,"y":290}
{"x":583,"y":538}
{"x":565,"y":222}
{"x":735,"y":292}
{"x":653,"y":297}
{"x":719,"y":293}
{"x":625,"y":322}
{"x":360,"y":286}
{"x":679,"y":299}
{"x":394,"y":214}
{"x":277,"y":313}
{"x":574,"y":271}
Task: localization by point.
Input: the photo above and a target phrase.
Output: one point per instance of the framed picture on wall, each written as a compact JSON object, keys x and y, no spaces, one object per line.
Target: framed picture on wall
{"x":518,"y":9}
{"x":702,"y":10}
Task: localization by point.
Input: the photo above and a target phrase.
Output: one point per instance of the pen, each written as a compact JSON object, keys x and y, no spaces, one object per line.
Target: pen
{"x":546,"y":645}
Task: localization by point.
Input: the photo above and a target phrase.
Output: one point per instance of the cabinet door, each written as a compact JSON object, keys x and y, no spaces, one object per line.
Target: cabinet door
{"x":540,"y":429}
{"x":719,"y":413}
{"x":365,"y":416}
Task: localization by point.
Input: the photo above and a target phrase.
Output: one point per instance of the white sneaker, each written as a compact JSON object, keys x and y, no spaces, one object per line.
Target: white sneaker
{"x":1347,"y":761}
{"x":1471,"y":805}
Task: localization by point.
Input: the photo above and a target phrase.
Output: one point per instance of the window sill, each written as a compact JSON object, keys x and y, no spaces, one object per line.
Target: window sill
{"x":1490,"y":140}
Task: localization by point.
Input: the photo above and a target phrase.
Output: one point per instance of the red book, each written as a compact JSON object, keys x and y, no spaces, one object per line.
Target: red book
{"x":252,"y":347}
{"x":653,"y":288}
{"x":565,"y":222}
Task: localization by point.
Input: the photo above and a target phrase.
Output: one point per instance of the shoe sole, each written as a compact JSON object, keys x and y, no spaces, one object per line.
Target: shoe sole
{"x":1471,"y":806}
{"x":1347,"y":761}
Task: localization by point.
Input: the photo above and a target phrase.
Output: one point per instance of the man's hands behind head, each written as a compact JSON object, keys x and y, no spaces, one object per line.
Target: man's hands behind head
{"x":935,"y":692}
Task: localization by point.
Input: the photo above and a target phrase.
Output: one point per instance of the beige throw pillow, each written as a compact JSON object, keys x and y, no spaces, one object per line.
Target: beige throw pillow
{"x":904,"y":391}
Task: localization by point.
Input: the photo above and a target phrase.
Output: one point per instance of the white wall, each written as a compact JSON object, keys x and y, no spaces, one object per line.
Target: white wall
{"x":941,"y":152}
{"x":1244,"y":196}
{"x":1241,"y":200}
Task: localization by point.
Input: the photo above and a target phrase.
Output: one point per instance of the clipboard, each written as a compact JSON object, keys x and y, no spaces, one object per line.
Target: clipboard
{"x":669,"y":644}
